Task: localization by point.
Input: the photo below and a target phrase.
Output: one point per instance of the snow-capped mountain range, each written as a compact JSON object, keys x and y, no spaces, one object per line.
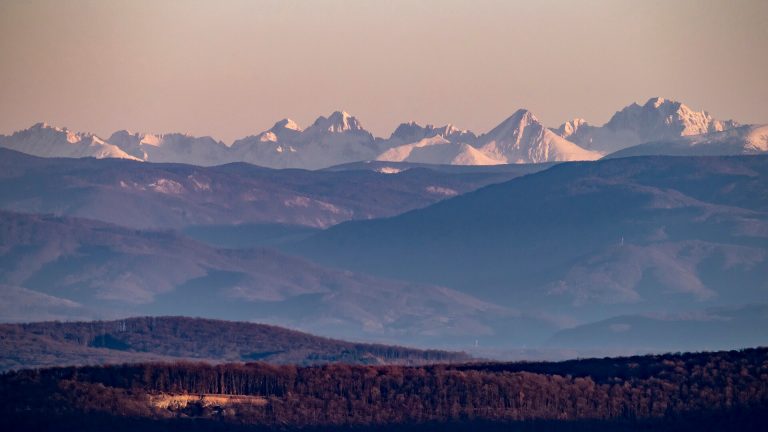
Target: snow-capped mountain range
{"x":45,"y":140}
{"x":659,"y":119}
{"x":522,"y":139}
{"x":328,"y":141}
{"x":172,"y":147}
{"x":340,"y":138}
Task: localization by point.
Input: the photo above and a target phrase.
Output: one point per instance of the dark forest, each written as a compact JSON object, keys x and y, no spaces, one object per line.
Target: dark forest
{"x":702,"y":391}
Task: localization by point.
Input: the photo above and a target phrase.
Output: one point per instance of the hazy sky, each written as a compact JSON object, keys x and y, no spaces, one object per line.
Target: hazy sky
{"x":232,"y":68}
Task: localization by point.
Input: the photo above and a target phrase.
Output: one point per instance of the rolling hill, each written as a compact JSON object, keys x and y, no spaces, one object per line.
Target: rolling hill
{"x":65,"y":268}
{"x":147,"y":195}
{"x":581,"y":241}
{"x":732,"y":327}
{"x":132,"y":340}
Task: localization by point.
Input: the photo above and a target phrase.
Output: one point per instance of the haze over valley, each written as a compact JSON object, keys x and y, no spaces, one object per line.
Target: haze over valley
{"x":502,"y":259}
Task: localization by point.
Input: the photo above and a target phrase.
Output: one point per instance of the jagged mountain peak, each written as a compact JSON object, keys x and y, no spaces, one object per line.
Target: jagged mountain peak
{"x":281,"y":130}
{"x":408,"y":131}
{"x":340,"y":138}
{"x":123,"y":133}
{"x":46,"y":140}
{"x":657,"y":119}
{"x":338,"y":121}
{"x":43,"y":125}
{"x":667,"y":105}
{"x":287,"y":123}
{"x":156,"y":139}
{"x":661,"y":118}
{"x":521,"y":138}
{"x":411,"y":132}
{"x":671,"y":107}
{"x":515,"y":123}
{"x":49,"y":128}
{"x":657,"y":101}
{"x":449,"y":130}
{"x":171,"y":147}
{"x":571,"y":127}
{"x":523,"y":116}
{"x":122,"y":136}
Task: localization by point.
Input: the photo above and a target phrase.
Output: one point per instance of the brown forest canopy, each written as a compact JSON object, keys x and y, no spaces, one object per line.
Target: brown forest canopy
{"x":657,"y":389}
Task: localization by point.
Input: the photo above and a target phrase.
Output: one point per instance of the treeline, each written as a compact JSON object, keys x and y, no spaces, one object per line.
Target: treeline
{"x":630,"y":391}
{"x":636,"y":367}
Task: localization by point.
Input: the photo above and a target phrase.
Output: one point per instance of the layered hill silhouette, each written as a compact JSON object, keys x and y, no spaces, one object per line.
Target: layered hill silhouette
{"x":147,"y":195}
{"x":507,"y":265}
{"x":581,"y":241}
{"x":54,"y":268}
{"x":692,"y":331}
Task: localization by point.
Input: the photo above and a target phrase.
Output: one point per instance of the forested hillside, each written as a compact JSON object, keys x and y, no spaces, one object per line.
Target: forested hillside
{"x":173,"y":338}
{"x":663,"y":392}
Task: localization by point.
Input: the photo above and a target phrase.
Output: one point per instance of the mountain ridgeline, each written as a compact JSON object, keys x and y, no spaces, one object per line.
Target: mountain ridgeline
{"x":658,"y":119}
{"x":341,"y":138}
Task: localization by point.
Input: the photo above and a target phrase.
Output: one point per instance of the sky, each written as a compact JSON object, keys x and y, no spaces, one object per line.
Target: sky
{"x":231,"y":68}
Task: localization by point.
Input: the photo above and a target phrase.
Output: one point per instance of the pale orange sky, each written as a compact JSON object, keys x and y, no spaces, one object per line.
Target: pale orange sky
{"x":232,"y":68}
